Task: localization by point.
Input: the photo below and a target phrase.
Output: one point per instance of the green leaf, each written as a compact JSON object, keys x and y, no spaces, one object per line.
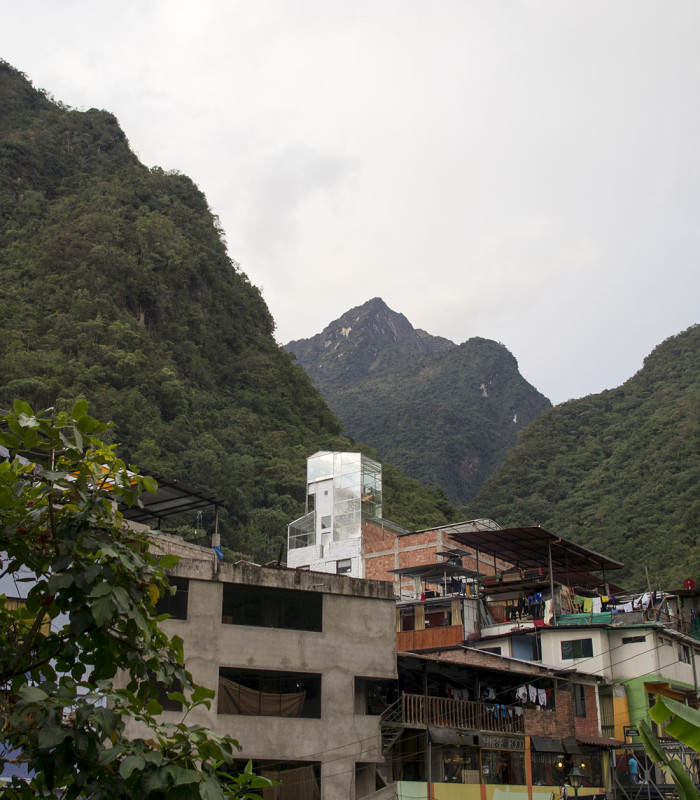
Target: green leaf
{"x":150,"y":484}
{"x":651,"y":743}
{"x":129,"y":764}
{"x":154,"y":707}
{"x":102,"y":610}
{"x":51,"y":735}
{"x":79,"y":409}
{"x":101,"y":590}
{"x":685,"y":724}
{"x":685,"y":786}
{"x":21,"y":407}
{"x":202,"y":693}
{"x":210,"y":790}
{"x":32,"y":694}
{"x":168,"y":561}
{"x":182,"y":776}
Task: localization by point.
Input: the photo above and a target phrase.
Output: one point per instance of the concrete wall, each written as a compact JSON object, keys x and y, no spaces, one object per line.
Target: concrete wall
{"x":357,"y":640}
{"x":658,"y":654}
{"x":598,"y":664}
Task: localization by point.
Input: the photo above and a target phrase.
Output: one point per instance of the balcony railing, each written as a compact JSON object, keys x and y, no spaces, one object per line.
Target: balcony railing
{"x":443,"y":712}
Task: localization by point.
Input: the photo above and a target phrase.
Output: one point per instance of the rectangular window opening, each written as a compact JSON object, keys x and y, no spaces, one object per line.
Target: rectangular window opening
{"x":577,"y":648}
{"x":579,"y":700}
{"x":298,"y":780}
{"x":175,"y":604}
{"x":268,"y":693}
{"x":270,"y":607}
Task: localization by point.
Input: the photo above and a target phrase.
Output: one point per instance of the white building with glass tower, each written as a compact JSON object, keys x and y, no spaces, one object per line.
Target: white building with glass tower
{"x":342,"y":490}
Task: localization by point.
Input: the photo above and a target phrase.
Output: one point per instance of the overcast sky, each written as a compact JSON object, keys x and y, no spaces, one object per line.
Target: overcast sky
{"x":523,"y":171}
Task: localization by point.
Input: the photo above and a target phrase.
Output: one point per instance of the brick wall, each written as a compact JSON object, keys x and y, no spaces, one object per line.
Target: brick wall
{"x":589,"y":725}
{"x":557,"y":724}
{"x":385,"y":549}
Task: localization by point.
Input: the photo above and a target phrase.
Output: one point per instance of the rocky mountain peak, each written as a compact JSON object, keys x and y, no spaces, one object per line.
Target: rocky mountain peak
{"x":353,"y":344}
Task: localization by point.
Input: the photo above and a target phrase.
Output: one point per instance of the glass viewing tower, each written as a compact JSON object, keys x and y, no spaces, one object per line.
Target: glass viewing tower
{"x":341,"y":490}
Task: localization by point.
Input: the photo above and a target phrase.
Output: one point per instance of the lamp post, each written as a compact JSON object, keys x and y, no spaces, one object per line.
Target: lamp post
{"x":575,"y":779}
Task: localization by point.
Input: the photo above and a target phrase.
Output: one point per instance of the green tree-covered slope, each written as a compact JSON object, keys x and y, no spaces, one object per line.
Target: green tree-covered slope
{"x":617,"y":471}
{"x":115,"y":286}
{"x":445,"y":414}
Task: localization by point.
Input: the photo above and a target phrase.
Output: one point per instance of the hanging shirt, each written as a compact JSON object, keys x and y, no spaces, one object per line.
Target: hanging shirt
{"x":532,"y":692}
{"x":542,"y":697}
{"x":597,"y":605}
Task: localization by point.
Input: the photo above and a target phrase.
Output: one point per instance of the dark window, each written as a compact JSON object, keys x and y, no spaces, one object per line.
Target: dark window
{"x":175,"y":604}
{"x":527,"y":648}
{"x":684,"y":653}
{"x":633,"y":639}
{"x":577,"y":648}
{"x":343,"y":566}
{"x":494,"y":650}
{"x":268,"y":607}
{"x":374,"y":695}
{"x":164,"y":700}
{"x":579,"y":700}
{"x":298,"y":780}
{"x":503,"y":767}
{"x":264,"y":693}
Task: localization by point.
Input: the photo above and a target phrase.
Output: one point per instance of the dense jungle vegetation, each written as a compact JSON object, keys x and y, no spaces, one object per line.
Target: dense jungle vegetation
{"x":116,"y":287}
{"x":618,"y":471}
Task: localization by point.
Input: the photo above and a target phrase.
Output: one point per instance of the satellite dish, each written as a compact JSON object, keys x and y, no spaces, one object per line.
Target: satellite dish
{"x":689,"y":583}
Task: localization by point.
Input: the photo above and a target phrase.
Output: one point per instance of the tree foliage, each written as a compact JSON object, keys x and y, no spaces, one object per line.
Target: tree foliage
{"x":617,"y":471}
{"x":81,"y":654}
{"x":116,"y":287}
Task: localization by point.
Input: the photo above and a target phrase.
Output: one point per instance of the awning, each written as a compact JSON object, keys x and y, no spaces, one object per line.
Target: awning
{"x":171,"y":498}
{"x":572,"y":747}
{"x":532,"y":547}
{"x":543,"y":745}
{"x":451,"y":736}
{"x":599,"y":741}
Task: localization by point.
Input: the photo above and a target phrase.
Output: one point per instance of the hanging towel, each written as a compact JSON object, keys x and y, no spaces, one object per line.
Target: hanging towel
{"x":521,"y":694}
{"x":597,"y":605}
{"x":587,"y":605}
{"x":518,"y":711}
{"x":542,"y":697}
{"x":532,"y":692}
{"x":578,"y":600}
{"x":548,"y":611}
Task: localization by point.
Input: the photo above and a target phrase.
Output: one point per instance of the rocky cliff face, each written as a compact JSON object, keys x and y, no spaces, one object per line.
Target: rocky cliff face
{"x":361,"y":341}
{"x":446,"y":414}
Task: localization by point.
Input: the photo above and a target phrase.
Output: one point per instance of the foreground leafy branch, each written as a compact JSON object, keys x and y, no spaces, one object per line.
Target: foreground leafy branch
{"x":683,"y":723}
{"x":81,"y":653}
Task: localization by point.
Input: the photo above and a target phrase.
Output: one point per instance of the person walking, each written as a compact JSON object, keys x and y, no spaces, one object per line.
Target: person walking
{"x":633,"y":769}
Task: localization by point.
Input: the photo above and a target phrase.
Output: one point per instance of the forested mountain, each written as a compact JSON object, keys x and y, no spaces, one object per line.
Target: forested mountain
{"x":115,"y":286}
{"x":617,"y":471}
{"x":446,"y":414}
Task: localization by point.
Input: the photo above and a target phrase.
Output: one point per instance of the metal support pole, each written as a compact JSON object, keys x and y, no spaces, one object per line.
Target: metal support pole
{"x":551,"y":583}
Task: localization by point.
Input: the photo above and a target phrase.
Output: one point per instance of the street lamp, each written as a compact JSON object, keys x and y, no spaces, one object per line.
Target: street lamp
{"x":575,"y":779}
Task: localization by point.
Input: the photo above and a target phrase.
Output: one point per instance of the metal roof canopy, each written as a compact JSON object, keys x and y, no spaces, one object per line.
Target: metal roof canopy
{"x":529,"y":548}
{"x":435,"y":573}
{"x":171,"y":498}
